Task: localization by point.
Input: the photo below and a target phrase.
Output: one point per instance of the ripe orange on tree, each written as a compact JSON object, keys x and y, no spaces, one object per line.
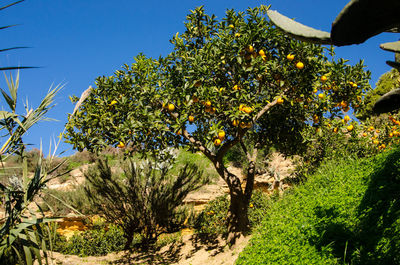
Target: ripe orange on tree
{"x":247,"y":109}
{"x":171,"y":107}
{"x":221,"y":135}
{"x":208,"y":103}
{"x":280,"y":100}
{"x":324,"y":78}
{"x":217,"y":142}
{"x":121,"y":145}
{"x":290,"y":57}
{"x":191,"y":118}
{"x":300,"y":65}
{"x":235,"y":123}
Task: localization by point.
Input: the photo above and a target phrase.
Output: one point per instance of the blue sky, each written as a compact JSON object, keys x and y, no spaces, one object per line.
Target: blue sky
{"x":74,"y":42}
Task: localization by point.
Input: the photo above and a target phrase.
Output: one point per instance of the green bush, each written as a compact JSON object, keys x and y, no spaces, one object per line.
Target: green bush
{"x":347,"y":213}
{"x":147,"y":198}
{"x":95,"y":242}
{"x":213,"y":219}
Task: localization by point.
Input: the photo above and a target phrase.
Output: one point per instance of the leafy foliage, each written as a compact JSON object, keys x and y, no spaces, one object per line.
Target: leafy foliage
{"x":94,"y":242}
{"x":347,"y":213}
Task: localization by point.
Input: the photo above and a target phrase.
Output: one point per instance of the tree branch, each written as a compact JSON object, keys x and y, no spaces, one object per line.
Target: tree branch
{"x":268,"y":106}
{"x":194,"y":141}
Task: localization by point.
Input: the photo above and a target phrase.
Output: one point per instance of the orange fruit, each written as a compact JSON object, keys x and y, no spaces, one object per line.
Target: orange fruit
{"x":346,"y":118}
{"x":315,"y":91}
{"x":365,"y":134}
{"x":250,"y":49}
{"x":261,"y":53}
{"x":208,"y":103}
{"x":171,"y":107}
{"x":375,"y":142}
{"x":221,"y":135}
{"x":354,"y":85}
{"x":121,"y":145}
{"x":235,"y":123}
{"x":241,"y":107}
{"x":335,"y":130}
{"x":321,"y":96}
{"x":290,"y":57}
{"x":113,"y":102}
{"x":280,"y":100}
{"x":191,"y":118}
{"x":247,"y":110}
{"x":236,"y":87}
{"x":300,"y":65}
{"x":212,"y":110}
{"x":243,"y":125}
{"x":217,"y":142}
{"x":231,"y":26}
{"x":237,"y":35}
{"x":350,"y":127}
{"x":324,"y":78}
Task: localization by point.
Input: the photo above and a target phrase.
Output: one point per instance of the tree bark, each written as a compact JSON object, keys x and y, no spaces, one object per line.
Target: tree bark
{"x":238,"y":221}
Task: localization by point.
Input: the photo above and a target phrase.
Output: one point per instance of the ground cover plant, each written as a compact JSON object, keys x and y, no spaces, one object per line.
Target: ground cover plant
{"x":347,"y":213}
{"x":225,"y":81}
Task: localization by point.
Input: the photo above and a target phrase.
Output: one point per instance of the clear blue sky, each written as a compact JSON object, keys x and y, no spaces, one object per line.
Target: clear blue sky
{"x":76,"y":41}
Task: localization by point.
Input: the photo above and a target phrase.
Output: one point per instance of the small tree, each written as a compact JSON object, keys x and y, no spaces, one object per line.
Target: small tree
{"x":146,"y":199}
{"x":225,"y":82}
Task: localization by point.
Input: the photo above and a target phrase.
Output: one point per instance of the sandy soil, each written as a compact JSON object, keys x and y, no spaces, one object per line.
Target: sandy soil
{"x":191,"y":249}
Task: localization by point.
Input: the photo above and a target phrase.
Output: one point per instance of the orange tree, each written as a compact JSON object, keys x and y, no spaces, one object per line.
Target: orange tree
{"x":225,"y":82}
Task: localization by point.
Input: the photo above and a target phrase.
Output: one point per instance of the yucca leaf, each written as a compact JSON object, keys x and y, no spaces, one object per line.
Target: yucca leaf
{"x":8,"y":99}
{"x":12,"y":48}
{"x":16,"y":67}
{"x":6,"y":6}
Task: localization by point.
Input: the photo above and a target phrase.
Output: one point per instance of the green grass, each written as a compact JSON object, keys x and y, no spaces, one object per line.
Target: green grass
{"x":346,"y":213}
{"x":203,"y":163}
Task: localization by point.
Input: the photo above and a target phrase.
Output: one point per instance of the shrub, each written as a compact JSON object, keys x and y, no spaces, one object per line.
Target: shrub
{"x":347,"y":213}
{"x":213,"y":219}
{"x":146,"y":198}
{"x":95,"y":242}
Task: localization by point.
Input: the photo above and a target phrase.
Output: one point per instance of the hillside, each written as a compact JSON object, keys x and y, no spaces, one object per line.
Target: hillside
{"x":347,"y":213}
